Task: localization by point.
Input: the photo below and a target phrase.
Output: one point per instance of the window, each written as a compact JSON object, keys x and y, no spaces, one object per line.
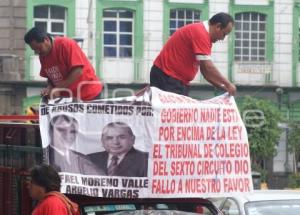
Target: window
{"x":179,"y":13}
{"x":50,"y":18}
{"x":181,"y":17}
{"x":250,"y":37}
{"x":118,"y":33}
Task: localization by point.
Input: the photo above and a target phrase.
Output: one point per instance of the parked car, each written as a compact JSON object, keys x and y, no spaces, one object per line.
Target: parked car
{"x":261,"y":202}
{"x":177,"y":206}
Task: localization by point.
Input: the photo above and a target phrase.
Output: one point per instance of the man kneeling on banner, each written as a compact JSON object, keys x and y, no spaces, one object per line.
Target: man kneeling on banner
{"x":66,"y":67}
{"x":187,"y":50}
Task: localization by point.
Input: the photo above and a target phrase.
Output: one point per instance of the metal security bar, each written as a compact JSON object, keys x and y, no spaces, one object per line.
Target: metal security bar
{"x":20,"y":149}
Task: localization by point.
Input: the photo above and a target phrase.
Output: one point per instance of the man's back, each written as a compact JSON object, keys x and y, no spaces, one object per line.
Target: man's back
{"x":65,"y":55}
{"x":178,"y":56}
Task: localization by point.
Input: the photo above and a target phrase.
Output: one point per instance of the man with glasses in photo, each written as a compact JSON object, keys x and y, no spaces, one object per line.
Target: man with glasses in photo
{"x":120,"y":157}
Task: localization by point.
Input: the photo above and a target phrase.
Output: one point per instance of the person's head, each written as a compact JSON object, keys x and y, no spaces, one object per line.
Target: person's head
{"x":44,"y":179}
{"x":117,"y":138}
{"x":221,"y":24}
{"x":63,"y":131}
{"x":39,"y":41}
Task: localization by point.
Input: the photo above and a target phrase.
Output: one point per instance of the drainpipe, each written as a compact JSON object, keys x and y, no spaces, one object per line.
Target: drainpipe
{"x":286,"y":163}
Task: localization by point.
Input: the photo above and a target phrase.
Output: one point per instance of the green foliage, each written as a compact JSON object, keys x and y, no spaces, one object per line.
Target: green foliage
{"x":294,"y":140}
{"x":263,"y":173}
{"x":294,"y":181}
{"x":262,"y":126}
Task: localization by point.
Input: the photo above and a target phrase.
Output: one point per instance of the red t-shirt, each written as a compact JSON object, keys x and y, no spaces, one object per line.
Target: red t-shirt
{"x":65,"y":55}
{"x":51,"y":205}
{"x":178,"y":57}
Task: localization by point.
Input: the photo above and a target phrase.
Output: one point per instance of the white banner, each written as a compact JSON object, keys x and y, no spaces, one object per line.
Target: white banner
{"x":156,"y":145}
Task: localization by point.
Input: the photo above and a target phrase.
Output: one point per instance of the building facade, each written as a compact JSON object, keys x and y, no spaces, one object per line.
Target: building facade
{"x":123,"y":37}
{"x":12,"y":55}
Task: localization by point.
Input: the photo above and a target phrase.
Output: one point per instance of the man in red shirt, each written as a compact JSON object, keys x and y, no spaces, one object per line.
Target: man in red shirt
{"x":44,"y":186}
{"x":63,"y":63}
{"x":187,"y":49}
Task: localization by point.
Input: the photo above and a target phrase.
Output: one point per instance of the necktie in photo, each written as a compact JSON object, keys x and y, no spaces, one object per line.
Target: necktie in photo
{"x":111,"y":170}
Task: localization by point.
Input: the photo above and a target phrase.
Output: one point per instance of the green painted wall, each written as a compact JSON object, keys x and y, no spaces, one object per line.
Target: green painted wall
{"x":295,"y":63}
{"x":32,"y":101}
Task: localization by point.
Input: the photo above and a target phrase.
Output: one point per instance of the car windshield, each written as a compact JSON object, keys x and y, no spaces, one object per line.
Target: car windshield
{"x":286,"y":207}
{"x":145,"y":209}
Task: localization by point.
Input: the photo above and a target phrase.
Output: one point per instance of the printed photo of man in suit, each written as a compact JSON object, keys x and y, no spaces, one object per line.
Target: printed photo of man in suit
{"x":63,"y":131}
{"x":120,"y":158}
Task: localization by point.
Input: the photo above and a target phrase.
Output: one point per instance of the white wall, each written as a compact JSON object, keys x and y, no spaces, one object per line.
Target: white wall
{"x":220,"y":49}
{"x":153,"y":33}
{"x":188,"y":1}
{"x":283,"y":30}
{"x":252,"y":2}
{"x":81,"y":23}
{"x":283,"y":161}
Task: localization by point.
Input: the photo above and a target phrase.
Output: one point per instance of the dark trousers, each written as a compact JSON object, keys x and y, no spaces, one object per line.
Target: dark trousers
{"x":165,"y":82}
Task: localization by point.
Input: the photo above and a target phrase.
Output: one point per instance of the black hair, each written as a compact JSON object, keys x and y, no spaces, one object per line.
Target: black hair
{"x":46,"y":177}
{"x":36,"y":34}
{"x":222,"y":18}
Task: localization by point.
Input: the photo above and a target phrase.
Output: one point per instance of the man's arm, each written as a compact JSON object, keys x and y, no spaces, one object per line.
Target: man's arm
{"x":46,"y":91}
{"x":212,"y":75}
{"x":63,"y":85}
{"x":74,"y":75}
